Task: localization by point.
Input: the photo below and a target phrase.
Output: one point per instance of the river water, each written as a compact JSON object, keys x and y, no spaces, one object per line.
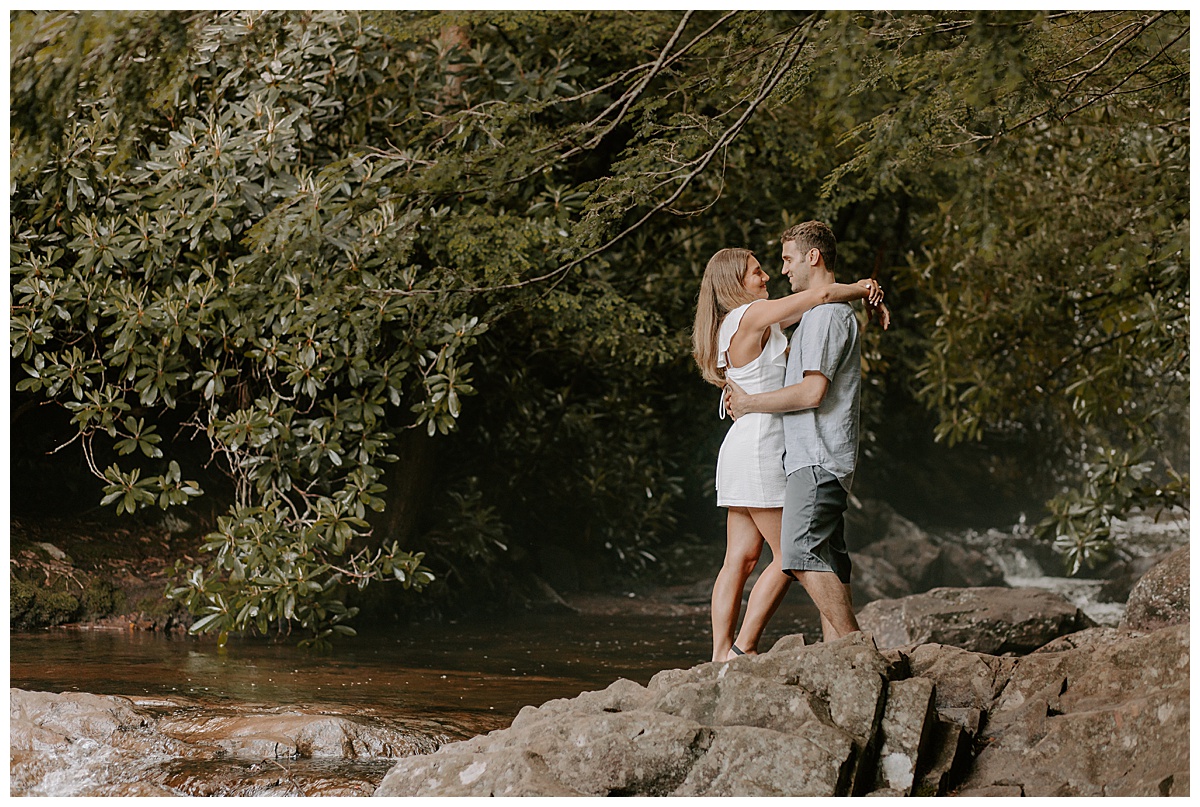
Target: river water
{"x":471,"y":676}
{"x":440,"y":681}
{"x":432,"y":682}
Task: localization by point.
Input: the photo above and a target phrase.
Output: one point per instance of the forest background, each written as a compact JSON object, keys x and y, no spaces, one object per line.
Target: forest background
{"x":407,"y":296}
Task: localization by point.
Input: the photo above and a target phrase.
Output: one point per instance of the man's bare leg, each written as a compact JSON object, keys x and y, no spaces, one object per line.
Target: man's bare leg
{"x":832,"y":598}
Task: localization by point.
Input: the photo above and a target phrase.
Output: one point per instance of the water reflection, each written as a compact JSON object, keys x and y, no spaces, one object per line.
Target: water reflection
{"x":481,"y":672}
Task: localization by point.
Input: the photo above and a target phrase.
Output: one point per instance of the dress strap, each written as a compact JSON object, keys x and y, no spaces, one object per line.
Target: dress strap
{"x":728,"y":328}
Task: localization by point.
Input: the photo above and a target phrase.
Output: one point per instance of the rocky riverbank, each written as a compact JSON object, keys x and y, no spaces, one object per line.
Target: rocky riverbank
{"x":1100,"y":712}
{"x":952,"y":688}
{"x":903,"y":711}
{"x":1065,"y":709}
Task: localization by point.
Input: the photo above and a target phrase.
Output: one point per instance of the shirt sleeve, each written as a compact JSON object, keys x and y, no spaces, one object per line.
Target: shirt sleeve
{"x":825,"y":339}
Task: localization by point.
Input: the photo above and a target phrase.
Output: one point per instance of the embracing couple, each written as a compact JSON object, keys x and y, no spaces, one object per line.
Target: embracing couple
{"x":786,"y":465}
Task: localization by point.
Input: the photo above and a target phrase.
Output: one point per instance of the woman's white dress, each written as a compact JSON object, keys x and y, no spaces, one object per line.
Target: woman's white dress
{"x":750,"y":465}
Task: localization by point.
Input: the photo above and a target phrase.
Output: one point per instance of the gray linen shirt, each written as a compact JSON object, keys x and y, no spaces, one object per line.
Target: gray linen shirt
{"x":826,"y":340}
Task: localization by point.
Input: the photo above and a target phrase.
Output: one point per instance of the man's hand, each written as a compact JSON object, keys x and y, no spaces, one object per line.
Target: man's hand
{"x":737,"y":400}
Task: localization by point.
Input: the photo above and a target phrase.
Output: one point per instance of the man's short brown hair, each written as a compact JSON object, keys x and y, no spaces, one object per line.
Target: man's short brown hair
{"x":811,"y":234}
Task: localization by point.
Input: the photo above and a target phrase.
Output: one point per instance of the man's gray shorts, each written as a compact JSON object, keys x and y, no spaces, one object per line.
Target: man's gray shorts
{"x":813,"y":536}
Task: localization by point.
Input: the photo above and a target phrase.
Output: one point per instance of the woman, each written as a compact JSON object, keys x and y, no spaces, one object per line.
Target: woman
{"x":737,"y":336}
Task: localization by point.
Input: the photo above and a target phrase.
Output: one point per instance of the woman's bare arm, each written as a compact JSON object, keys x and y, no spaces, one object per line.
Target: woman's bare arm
{"x":788,"y":310}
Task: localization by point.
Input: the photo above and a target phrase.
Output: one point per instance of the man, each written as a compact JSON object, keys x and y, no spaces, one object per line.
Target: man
{"x":819,"y":403}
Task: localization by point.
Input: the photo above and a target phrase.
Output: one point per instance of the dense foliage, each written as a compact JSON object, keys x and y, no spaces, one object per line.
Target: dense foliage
{"x":420,"y":282}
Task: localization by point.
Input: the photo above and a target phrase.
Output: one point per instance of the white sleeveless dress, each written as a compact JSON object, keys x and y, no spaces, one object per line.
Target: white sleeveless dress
{"x":750,"y":465}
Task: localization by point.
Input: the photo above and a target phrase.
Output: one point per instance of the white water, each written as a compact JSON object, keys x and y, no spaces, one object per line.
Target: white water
{"x":1141,"y":536}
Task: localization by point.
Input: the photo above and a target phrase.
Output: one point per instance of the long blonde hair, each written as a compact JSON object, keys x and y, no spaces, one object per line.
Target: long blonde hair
{"x":721,"y":291}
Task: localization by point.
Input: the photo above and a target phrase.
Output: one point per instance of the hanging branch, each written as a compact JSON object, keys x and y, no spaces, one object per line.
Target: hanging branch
{"x":782,"y":65}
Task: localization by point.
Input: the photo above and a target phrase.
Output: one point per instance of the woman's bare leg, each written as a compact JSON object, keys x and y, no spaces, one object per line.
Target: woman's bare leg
{"x":771,"y":586}
{"x":743,"y":545}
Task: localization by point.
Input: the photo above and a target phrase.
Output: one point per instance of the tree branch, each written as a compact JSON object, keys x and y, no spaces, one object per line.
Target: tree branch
{"x":782,"y":65}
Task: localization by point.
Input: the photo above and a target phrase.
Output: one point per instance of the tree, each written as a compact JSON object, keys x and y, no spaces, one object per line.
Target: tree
{"x":384,"y":260}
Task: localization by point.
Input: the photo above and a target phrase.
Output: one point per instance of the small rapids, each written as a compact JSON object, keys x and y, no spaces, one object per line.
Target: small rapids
{"x":1028,"y":562}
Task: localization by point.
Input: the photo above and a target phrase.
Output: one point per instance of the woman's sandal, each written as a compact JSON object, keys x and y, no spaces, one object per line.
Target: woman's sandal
{"x":737,"y":651}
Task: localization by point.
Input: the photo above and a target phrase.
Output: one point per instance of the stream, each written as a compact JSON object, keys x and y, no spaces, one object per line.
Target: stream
{"x":436,"y":682}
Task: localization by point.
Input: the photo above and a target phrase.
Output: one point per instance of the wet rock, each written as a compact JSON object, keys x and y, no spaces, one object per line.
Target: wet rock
{"x":43,"y":721}
{"x":243,"y":777}
{"x":1162,"y":597}
{"x":93,"y":745}
{"x":1101,"y":720}
{"x":987,"y":620}
{"x":295,"y":735}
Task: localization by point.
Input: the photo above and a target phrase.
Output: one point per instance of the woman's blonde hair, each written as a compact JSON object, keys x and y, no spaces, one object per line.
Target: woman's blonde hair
{"x":721,"y":291}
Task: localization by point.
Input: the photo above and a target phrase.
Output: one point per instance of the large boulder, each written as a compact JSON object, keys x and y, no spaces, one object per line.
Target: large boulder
{"x":986,"y":620}
{"x":895,"y":557}
{"x":876,"y":579}
{"x":1103,"y":719}
{"x":1106,"y":714}
{"x":799,"y":720}
{"x":1162,"y":597}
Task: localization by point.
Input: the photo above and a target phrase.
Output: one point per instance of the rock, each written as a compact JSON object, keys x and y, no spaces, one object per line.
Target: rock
{"x":1100,"y":720}
{"x":543,"y":599}
{"x":798,"y":720}
{"x":1106,"y":714}
{"x":244,"y":777}
{"x":914,"y":560}
{"x":1122,"y":575}
{"x":1088,"y":638}
{"x":947,"y":760}
{"x":907,"y":722}
{"x":1161,"y":598}
{"x":749,"y":761}
{"x":965,"y":567}
{"x":988,"y":620}
{"x":95,"y":745}
{"x":964,"y":682}
{"x":872,"y":520}
{"x":913,"y":553}
{"x":620,"y":696}
{"x":295,"y":735}
{"x":992,"y":791}
{"x":876,"y":579}
{"x":51,"y":550}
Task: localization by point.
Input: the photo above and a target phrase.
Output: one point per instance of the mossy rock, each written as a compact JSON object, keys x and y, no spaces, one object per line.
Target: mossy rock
{"x":101,"y":598}
{"x":33,"y":606}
